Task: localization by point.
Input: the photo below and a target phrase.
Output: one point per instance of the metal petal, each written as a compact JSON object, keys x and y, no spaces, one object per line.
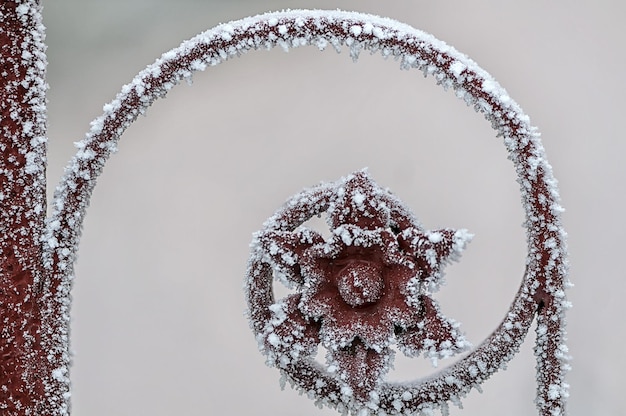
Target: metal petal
{"x":359,"y":203}
{"x":289,"y":335}
{"x":283,"y":249}
{"x":436,"y":336}
{"x":432,"y":250}
{"x":361,"y":368}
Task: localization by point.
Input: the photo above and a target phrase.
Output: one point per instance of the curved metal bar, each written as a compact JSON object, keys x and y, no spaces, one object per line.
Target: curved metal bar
{"x":542,"y":289}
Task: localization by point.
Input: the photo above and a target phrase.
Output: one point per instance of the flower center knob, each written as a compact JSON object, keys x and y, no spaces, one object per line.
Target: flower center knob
{"x":360,"y":283}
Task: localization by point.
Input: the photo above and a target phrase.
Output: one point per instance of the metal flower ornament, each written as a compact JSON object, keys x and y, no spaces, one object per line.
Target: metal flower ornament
{"x":361,"y":292}
{"x":366,"y":287}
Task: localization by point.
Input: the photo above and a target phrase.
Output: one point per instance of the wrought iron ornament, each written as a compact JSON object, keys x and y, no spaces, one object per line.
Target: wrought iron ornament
{"x":358,"y":292}
{"x":368,"y":287}
{"x":362,"y":291}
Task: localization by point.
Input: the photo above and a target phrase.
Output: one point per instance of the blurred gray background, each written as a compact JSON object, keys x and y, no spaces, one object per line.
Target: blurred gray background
{"x":158,"y":325}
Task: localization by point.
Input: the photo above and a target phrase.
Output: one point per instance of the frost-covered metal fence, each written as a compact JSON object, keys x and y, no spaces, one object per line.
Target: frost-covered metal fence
{"x":38,"y":251}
